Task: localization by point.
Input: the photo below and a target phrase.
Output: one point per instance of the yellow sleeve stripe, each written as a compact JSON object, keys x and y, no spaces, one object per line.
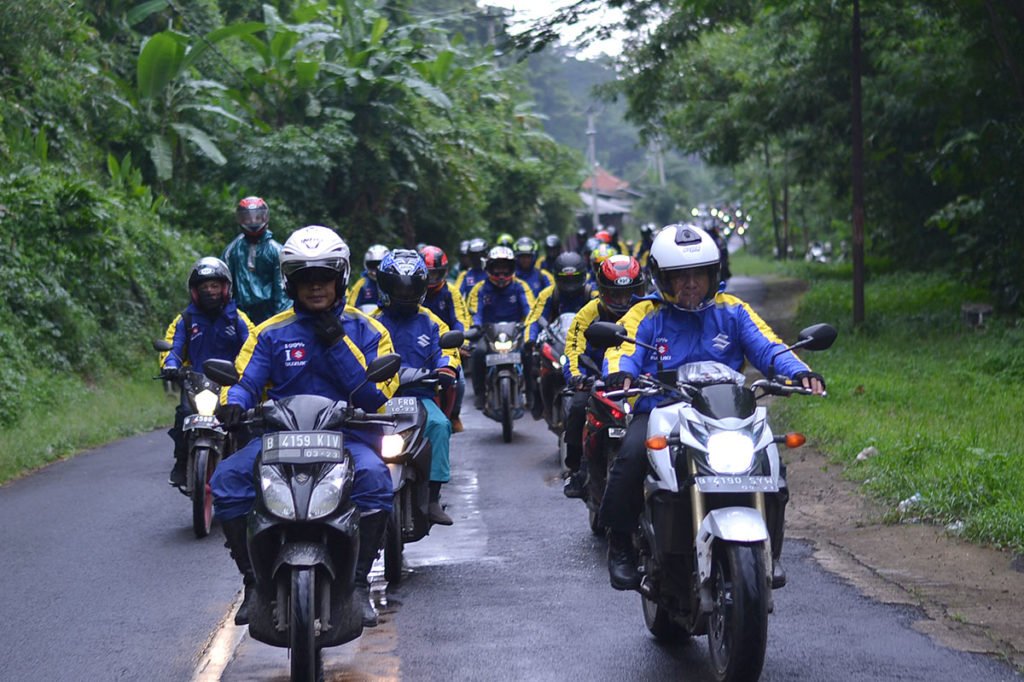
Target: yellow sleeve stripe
{"x":537,"y":309}
{"x":474,"y":297}
{"x":169,"y":337}
{"x":248,"y":323}
{"x":762,"y":326}
{"x":353,"y":293}
{"x":450,"y":354}
{"x":631,"y":321}
{"x":526,"y":290}
{"x":461,"y":312}
{"x":575,"y":341}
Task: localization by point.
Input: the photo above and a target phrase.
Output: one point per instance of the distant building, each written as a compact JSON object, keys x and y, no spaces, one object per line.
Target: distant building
{"x":614,"y":201}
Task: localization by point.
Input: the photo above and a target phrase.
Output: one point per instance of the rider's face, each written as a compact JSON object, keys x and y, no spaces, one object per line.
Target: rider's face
{"x":317,"y":292}
{"x":690,"y":287}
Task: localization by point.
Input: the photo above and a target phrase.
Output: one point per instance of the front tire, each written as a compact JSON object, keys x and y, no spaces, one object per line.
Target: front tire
{"x":505,"y":399}
{"x":738,"y":622}
{"x":203,"y":463}
{"x":301,"y":625}
{"x":393,"y":545}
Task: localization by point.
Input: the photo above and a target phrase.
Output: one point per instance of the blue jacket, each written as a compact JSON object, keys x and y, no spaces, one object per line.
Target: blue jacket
{"x":363,"y":292}
{"x":728,"y":331}
{"x":417,"y":339}
{"x":284,"y":358}
{"x":468,"y":279}
{"x":488,"y":303}
{"x":448,"y":304}
{"x":220,"y":338}
{"x":256,"y":274}
{"x":549,"y":305}
{"x":536,"y":278}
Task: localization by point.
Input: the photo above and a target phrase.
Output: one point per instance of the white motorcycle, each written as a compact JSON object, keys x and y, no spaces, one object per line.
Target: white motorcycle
{"x":710,"y":497}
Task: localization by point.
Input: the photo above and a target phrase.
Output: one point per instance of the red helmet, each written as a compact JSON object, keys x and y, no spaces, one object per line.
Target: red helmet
{"x":437,"y":266}
{"x":604,"y":236}
{"x":619,"y":279}
{"x":253,"y":216}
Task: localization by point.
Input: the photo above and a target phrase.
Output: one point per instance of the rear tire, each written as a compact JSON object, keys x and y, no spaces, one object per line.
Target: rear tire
{"x":505,"y":399}
{"x":301,"y":625}
{"x":203,"y":463}
{"x":738,"y":623}
{"x":393,"y":545}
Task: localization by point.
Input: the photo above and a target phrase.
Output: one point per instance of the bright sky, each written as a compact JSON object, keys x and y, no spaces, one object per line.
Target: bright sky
{"x":530,"y":10}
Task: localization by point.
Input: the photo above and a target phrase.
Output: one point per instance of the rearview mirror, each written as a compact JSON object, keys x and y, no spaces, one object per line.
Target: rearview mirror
{"x":605,"y":334}
{"x":162,"y":345}
{"x":383,"y":368}
{"x":817,"y":337}
{"x":221,"y":372}
{"x":452,"y":339}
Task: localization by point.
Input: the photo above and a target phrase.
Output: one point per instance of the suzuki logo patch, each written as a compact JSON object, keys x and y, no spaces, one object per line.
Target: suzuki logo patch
{"x":721,"y":342}
{"x":423,"y":340}
{"x":295,"y":354}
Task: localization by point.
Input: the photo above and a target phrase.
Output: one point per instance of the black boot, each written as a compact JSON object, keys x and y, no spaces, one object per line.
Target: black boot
{"x":371,"y":536}
{"x":575,"y":485}
{"x":179,"y":472}
{"x":235,"y":534}
{"x":434,"y":509}
{"x":622,"y":562}
{"x":775,"y":506}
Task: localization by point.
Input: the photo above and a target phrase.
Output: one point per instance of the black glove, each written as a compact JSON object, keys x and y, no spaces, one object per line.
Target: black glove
{"x":328,"y":329}
{"x":230,"y":415}
{"x":799,"y":377}
{"x":445,"y":377}
{"x":617,"y":380}
{"x":170,"y":373}
{"x":580,"y":382}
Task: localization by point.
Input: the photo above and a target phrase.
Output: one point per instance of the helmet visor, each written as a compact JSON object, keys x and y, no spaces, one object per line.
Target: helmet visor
{"x":253,"y":219}
{"x":290,"y":268}
{"x":570,"y":283}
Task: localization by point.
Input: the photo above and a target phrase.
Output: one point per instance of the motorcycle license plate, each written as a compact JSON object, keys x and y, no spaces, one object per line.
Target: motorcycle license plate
{"x":736,"y":484}
{"x":502,"y":359}
{"x":616,"y":433}
{"x":200,"y":421}
{"x":401,"y":406}
{"x":303,"y":447}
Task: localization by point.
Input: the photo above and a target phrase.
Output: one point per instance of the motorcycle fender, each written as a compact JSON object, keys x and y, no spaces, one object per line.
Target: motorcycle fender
{"x":304,"y":554}
{"x":730,"y":524}
{"x":207,"y":442}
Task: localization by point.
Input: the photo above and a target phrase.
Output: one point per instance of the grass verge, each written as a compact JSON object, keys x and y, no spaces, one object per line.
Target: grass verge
{"x":69,"y":415}
{"x":936,"y":399}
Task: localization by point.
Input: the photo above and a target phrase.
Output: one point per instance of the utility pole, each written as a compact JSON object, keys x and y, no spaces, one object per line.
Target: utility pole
{"x":592,"y":154}
{"x":856,"y":126}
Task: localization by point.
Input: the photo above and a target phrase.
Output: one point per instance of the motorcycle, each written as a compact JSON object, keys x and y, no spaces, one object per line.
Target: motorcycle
{"x":549,"y":359}
{"x":303,"y":531}
{"x":504,"y":382}
{"x":406,"y":451}
{"x":207,"y":442}
{"x":704,"y":539}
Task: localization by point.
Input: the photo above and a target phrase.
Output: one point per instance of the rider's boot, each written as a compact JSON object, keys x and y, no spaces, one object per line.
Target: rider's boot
{"x":235,"y":534}
{"x":179,"y":472}
{"x":576,"y":485}
{"x":622,"y":562}
{"x":371,"y":535}
{"x":434,"y":509}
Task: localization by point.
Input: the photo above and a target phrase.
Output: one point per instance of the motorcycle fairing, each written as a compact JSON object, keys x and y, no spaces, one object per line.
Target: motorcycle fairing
{"x":304,"y":413}
{"x":729,"y":524}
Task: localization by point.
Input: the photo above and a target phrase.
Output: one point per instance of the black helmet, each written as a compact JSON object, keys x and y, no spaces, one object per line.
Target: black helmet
{"x":206,"y":269}
{"x":402,"y":279}
{"x":570,"y":273}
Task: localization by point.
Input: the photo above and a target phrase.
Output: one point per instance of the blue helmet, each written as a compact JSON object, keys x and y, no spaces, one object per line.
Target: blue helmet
{"x":402,"y":280}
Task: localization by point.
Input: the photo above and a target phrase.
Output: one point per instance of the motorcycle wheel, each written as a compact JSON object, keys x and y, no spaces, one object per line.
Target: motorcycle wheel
{"x":204,"y":462}
{"x":393,"y":545}
{"x":301,"y":626}
{"x":505,"y":399}
{"x":738,"y":622}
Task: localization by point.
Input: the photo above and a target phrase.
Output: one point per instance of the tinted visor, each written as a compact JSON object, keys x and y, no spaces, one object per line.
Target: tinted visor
{"x":570,"y":283}
{"x":291,"y":268}
{"x":402,"y":288}
{"x":435,"y":276}
{"x":310,"y":275}
{"x":252,"y":219}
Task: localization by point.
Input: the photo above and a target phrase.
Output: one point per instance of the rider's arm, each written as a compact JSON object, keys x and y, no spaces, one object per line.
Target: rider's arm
{"x":353,"y":293}
{"x":253,"y":366}
{"x":539,"y":309}
{"x":459,"y":305}
{"x":365,"y":340}
{"x":525,"y":298}
{"x":576,"y":342}
{"x":473,"y":303}
{"x":630,"y":357}
{"x":448,"y":357}
{"x":758,"y":341}
{"x":244,"y":329}
{"x":176,"y":336}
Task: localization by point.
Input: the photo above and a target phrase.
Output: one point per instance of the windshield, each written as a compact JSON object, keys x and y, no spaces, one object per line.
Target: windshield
{"x":708,"y":373}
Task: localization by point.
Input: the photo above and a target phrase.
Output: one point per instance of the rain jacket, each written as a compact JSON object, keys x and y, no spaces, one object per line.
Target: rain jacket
{"x":363,"y":292}
{"x":549,"y":305}
{"x":576,"y":343}
{"x":488,"y":303}
{"x":468,"y":279}
{"x":728,"y":331}
{"x":447,"y":303}
{"x":256,"y":274}
{"x":536,"y":278}
{"x":417,"y":338}
{"x":196,"y":337}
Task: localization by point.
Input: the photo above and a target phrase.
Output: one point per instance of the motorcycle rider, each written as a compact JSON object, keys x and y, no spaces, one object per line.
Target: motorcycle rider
{"x":505,"y":239}
{"x":416,"y":333}
{"x":253,"y":257}
{"x":598,"y":255}
{"x":526,"y":258}
{"x":443,"y":300}
{"x":463,"y":263}
{"x":499,"y":298}
{"x":364,"y":291}
{"x":619,"y":281}
{"x":552,"y":250}
{"x":568,"y":294}
{"x":643,"y":248}
{"x":688,"y":320}
{"x":320,"y":347}
{"x":211,"y":326}
{"x":474,"y":274}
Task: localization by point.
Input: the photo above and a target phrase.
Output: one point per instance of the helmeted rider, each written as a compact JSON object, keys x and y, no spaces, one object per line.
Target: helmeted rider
{"x":253,"y":257}
{"x":499,"y":298}
{"x":319,"y":347}
{"x":364,"y":290}
{"x":211,"y":326}
{"x":536,"y":278}
{"x":619,"y":282}
{"x":505,"y":239}
{"x":463,"y":263}
{"x":474,"y":274}
{"x":600,"y":254}
{"x":643,"y":248}
{"x":568,"y":294}
{"x":443,"y":299}
{"x":688,"y":320}
{"x":416,"y":333}
{"x":552,"y":250}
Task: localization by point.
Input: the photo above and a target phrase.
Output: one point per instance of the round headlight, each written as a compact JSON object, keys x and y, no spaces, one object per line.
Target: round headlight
{"x":391,"y":445}
{"x":730,"y":452}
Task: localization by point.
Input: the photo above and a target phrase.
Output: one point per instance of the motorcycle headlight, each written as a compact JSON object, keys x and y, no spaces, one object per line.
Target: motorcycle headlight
{"x":503,"y":346}
{"x":391,"y":445}
{"x":277,"y":496}
{"x":730,"y":452}
{"x":206,"y":402}
{"x":327,"y":493}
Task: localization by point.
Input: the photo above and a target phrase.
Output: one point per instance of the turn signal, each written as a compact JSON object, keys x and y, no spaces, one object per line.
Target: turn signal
{"x":795,"y":440}
{"x":657,"y":442}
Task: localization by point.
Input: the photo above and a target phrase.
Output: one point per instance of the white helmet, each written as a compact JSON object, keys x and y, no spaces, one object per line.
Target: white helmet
{"x":681,"y":247}
{"x":371,"y":260}
{"x":315,"y":246}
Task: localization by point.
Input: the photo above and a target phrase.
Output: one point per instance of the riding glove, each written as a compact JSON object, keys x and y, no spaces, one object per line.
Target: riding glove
{"x":328,"y":329}
{"x":617,"y":380}
{"x":799,"y":377}
{"x":230,"y":415}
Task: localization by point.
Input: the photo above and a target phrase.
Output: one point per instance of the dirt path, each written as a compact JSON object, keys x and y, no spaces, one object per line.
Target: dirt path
{"x":971,"y":598}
